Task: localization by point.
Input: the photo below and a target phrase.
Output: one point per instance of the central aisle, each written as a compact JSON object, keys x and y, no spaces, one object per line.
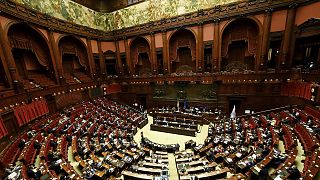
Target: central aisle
{"x":172,"y":167}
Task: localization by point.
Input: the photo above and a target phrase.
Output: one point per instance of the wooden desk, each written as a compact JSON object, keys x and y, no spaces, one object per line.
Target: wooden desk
{"x":161,"y":152}
{"x":258,"y":167}
{"x":166,"y":161}
{"x":186,"y":177}
{"x":131,"y":175}
{"x":176,"y":124}
{"x":83,"y":163}
{"x":182,"y":160}
{"x":173,"y":130}
{"x":149,"y":170}
{"x":222,"y":173}
{"x":99,"y":174}
{"x":74,"y":145}
{"x":288,"y":163}
{"x":196,"y":163}
{"x":65,"y":167}
{"x":238,"y":176}
{"x":197,"y":118}
{"x":154,"y":165}
{"x":204,"y":149}
{"x":120,"y":155}
{"x":195,"y":170}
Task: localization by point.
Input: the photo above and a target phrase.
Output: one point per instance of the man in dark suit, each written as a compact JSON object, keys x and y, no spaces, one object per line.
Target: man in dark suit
{"x":22,"y":143}
{"x":36,"y":145}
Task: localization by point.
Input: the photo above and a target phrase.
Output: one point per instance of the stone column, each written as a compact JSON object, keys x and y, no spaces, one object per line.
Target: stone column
{"x":90,"y":58}
{"x":153,"y":54}
{"x":102,"y":61}
{"x":52,"y":55}
{"x":165,"y":53}
{"x":285,"y":59}
{"x":199,"y":64}
{"x":216,"y":47}
{"x":8,"y":58}
{"x":265,"y":39}
{"x":128,"y":59}
{"x":118,"y":58}
{"x":5,"y":67}
{"x":56,"y":56}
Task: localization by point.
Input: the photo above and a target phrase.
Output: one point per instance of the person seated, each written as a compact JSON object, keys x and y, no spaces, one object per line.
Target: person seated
{"x":211,"y":155}
{"x":36,"y":145}
{"x":30,"y":134}
{"x":50,"y":156}
{"x":30,"y":172}
{"x":69,"y":138}
{"x":22,"y":143}
{"x":294,"y":173}
{"x":37,"y":174}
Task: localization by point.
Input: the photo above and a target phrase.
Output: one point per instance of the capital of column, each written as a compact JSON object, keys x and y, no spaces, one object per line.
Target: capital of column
{"x":293,"y":5}
{"x":216,"y":20}
{"x":51,"y":29}
{"x":269,"y":11}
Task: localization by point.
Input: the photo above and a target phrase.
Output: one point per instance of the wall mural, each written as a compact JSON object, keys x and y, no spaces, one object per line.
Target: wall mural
{"x":69,"y":11}
{"x":148,"y":11}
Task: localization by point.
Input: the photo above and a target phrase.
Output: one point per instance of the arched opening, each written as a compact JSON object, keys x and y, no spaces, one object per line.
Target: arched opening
{"x":273,"y":53}
{"x":307,"y":46}
{"x":144,"y":66}
{"x":140,"y":56}
{"x":32,"y":57}
{"x":75,"y":63}
{"x":307,"y":52}
{"x":111,"y":62}
{"x":240,"y":40}
{"x":3,"y":80}
{"x":182,"y":51}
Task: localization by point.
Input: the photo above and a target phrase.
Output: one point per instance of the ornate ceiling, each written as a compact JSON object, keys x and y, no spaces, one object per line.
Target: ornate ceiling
{"x":107,"y":5}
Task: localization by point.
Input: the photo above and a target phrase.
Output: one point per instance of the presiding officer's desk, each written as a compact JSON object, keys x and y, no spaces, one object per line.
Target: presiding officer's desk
{"x":174,"y":130}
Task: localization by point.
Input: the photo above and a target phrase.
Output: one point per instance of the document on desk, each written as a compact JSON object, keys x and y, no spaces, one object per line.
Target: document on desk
{"x":257,"y":169}
{"x":229,"y":160}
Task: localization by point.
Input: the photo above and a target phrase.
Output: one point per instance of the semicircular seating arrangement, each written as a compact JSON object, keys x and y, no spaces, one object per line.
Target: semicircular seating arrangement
{"x":99,"y":133}
{"x":260,"y":146}
{"x":94,"y":140}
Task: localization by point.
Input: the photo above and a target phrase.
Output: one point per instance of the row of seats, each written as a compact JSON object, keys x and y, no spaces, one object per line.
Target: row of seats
{"x":100,"y":134}
{"x":261,"y":133}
